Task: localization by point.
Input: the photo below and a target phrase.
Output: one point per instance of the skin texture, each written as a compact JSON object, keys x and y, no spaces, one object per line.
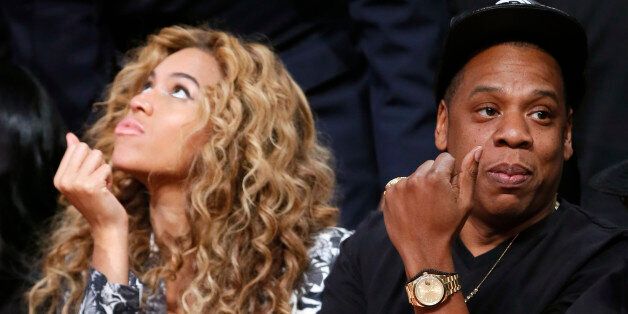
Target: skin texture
{"x":506,"y":134}
{"x":167,"y":109}
{"x":159,"y":156}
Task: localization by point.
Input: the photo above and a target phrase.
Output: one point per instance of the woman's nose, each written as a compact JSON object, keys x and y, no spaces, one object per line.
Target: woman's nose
{"x":142,"y":102}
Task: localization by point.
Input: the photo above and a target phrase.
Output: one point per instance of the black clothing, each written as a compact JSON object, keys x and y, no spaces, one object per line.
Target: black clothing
{"x":564,"y":262}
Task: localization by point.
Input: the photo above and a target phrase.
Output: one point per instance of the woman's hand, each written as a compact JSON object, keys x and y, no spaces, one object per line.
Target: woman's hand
{"x":84,"y":179}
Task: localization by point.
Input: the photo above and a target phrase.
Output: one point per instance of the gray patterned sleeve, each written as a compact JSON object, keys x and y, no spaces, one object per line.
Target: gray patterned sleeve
{"x":101,"y":296}
{"x":322,"y":256}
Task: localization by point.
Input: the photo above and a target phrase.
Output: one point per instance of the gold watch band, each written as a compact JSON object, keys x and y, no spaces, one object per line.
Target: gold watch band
{"x":450,"y":283}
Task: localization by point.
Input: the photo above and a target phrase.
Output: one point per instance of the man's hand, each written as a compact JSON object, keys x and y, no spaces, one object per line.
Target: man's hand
{"x":425,"y":211}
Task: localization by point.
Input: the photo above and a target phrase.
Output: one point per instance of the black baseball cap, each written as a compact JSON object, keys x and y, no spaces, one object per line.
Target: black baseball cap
{"x":555,"y":31}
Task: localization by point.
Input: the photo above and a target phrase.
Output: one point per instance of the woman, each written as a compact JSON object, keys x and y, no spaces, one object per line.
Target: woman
{"x":218,"y":201}
{"x":31,"y":146}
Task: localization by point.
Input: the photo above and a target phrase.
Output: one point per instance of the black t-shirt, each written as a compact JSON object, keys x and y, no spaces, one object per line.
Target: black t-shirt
{"x":568,"y":262}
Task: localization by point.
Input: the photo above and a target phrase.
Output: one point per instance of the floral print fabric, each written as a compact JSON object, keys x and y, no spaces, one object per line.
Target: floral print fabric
{"x":102,"y":296}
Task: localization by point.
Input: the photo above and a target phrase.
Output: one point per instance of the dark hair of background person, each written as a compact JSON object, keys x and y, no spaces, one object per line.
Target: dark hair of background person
{"x":31,"y":147}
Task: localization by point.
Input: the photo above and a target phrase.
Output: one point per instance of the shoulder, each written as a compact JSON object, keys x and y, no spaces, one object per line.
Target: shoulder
{"x":590,"y":216}
{"x":588,"y":257}
{"x":369,"y":247}
{"x":332,"y":234}
{"x":595,"y":226}
{"x":323,"y":252}
{"x":370,"y":235}
{"x":326,"y":245}
{"x":592,"y":242}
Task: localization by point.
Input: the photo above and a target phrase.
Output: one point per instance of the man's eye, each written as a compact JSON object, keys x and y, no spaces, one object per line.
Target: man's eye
{"x":541,"y":115}
{"x":180,"y":92}
{"x":488,"y":112}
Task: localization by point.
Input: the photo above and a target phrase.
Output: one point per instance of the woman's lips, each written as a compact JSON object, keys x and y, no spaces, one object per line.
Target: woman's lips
{"x":509,"y":175}
{"x":129,"y":126}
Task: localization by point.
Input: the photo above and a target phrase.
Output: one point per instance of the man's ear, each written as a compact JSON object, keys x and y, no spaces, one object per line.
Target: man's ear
{"x":567,"y":136}
{"x":442,"y":125}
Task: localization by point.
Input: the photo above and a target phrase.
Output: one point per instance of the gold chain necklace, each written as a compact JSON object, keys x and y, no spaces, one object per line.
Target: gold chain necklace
{"x":475,"y":291}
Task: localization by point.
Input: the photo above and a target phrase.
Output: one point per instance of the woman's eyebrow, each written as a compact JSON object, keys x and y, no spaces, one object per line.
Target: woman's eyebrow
{"x":185,"y":76}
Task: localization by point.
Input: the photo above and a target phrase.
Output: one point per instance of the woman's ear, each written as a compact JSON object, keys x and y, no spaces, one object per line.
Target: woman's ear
{"x":442,"y":125}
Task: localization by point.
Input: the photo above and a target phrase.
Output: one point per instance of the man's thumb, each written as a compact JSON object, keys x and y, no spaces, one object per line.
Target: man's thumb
{"x":467,"y":176}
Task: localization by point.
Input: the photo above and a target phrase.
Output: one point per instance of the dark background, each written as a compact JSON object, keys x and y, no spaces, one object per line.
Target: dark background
{"x":366,"y":66}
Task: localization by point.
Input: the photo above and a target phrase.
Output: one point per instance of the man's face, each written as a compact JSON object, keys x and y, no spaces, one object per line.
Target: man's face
{"x":510,"y":101}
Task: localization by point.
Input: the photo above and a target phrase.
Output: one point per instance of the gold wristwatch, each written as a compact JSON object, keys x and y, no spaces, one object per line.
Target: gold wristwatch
{"x":431,"y":288}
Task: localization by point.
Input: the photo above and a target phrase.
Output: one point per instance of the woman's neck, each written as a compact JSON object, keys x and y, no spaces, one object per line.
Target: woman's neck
{"x":168,"y":204}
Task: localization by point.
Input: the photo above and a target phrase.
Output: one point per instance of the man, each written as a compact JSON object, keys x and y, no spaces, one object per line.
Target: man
{"x":480,"y":228}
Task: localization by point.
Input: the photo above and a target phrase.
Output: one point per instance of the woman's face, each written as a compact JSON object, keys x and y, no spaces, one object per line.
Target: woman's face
{"x":159,"y":134}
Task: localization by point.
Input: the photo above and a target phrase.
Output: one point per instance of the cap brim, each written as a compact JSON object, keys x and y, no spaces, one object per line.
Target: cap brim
{"x":559,"y":34}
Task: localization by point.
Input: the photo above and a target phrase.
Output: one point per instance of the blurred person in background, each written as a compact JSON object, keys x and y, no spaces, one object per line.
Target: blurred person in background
{"x":31,"y":146}
{"x":613,"y":181}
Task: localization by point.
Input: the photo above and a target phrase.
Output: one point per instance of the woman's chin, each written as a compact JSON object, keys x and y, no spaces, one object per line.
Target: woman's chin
{"x":133,"y":168}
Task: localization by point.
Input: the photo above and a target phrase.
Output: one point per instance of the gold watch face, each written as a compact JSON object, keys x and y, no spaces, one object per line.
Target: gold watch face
{"x":429,"y":290}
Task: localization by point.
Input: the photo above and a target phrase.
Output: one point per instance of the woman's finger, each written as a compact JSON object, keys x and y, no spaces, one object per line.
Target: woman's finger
{"x":64,"y":164}
{"x":71,"y":139}
{"x":79,"y":155}
{"x":97,"y":181}
{"x":93,"y":160}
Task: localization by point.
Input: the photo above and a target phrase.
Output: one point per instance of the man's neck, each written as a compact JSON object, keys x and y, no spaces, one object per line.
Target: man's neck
{"x":480,"y":236}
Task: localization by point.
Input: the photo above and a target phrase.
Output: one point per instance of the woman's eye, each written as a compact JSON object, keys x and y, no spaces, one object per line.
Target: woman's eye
{"x":488,"y":112}
{"x":148,"y":86}
{"x":180,"y":92}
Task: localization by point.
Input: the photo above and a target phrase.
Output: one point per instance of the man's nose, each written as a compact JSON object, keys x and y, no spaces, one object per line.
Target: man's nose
{"x":513,"y":131}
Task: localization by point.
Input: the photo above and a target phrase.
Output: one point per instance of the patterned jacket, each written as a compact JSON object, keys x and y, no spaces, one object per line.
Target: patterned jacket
{"x":102,"y":296}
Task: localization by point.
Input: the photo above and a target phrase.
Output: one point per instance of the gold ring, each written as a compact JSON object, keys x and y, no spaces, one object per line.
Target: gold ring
{"x":394,"y":181}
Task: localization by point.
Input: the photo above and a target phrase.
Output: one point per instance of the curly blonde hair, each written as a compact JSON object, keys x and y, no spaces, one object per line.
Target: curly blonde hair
{"x":258,"y":190}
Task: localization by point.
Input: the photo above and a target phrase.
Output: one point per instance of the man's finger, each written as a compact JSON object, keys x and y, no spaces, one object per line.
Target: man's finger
{"x":423,"y":169}
{"x":467,"y":176}
{"x":444,"y":164}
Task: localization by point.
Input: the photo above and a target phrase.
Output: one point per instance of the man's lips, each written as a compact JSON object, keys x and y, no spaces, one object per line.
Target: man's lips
{"x":510,"y":175}
{"x":129,"y":126}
